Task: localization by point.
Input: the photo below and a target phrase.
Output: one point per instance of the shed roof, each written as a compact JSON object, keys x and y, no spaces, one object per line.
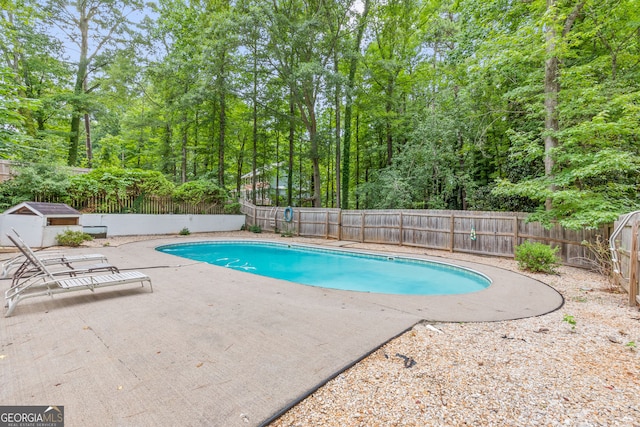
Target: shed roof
{"x":43,"y":209}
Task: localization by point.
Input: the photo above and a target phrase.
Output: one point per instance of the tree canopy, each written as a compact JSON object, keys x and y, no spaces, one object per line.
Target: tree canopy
{"x":470,"y":104}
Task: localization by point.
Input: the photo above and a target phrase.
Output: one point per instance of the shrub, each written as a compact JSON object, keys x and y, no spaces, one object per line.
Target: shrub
{"x":255,"y":228}
{"x":115,"y":182}
{"x":537,"y":257}
{"x":232,"y":208}
{"x":42,"y":180}
{"x":72,"y":238}
{"x":185,"y":232}
{"x":200,"y":191}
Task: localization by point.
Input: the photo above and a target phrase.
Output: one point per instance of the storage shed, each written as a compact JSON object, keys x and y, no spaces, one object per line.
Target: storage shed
{"x":39,"y":223}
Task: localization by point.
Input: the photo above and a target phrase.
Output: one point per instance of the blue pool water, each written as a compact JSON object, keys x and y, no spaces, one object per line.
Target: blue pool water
{"x":335,"y":269}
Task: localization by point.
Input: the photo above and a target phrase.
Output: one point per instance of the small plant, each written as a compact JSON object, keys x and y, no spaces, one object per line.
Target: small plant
{"x":571,"y":321}
{"x":72,"y":238}
{"x":185,"y":232}
{"x":631,"y":345}
{"x":537,"y":257}
{"x":286,"y":233}
{"x":255,"y":228}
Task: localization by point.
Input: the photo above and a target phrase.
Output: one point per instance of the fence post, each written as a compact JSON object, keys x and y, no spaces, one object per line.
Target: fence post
{"x":516,"y":227}
{"x":326,"y":225}
{"x":362,"y":227}
{"x":452,"y":225}
{"x":255,"y":215}
{"x":633,"y":265}
{"x":298,"y":224}
{"x":400,"y":239}
{"x":339,"y":224}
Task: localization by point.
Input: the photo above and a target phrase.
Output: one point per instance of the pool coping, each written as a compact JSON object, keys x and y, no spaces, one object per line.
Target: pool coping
{"x":510,"y":296}
{"x":212,"y":345}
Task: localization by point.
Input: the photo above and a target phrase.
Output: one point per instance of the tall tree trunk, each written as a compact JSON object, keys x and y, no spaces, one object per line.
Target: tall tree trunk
{"x":87,"y":133}
{"x":552,"y":85}
{"x":254,"y":134}
{"x":551,"y":89}
{"x":221,"y":140}
{"x":240,"y":165}
{"x":74,"y":136}
{"x":315,"y":163}
{"x":388,"y":135}
{"x":277,"y":169}
{"x":292,"y":134}
{"x":183,"y":151}
{"x":223,"y":125}
{"x":337,"y":107}
{"x":79,"y":87}
{"x":353,"y":65}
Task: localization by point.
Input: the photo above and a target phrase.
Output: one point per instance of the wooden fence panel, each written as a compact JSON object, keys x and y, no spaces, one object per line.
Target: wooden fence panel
{"x":496,"y":233}
{"x":138,"y":204}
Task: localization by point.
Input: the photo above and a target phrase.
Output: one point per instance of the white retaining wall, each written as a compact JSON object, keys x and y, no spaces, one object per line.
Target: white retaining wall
{"x":139,"y":224}
{"x":37,"y":235}
{"x":32,"y":230}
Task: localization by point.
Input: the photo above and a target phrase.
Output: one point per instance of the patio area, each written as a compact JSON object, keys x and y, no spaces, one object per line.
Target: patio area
{"x":213,"y":346}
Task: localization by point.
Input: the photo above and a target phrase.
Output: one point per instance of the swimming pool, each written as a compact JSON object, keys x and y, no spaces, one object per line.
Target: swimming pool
{"x":335,"y":269}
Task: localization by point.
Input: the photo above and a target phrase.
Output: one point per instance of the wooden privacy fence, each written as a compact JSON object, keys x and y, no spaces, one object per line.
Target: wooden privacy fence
{"x":138,"y":204}
{"x":475,"y":232}
{"x":625,"y":244}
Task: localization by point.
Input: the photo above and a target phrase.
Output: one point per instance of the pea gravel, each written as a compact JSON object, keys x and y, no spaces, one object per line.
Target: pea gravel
{"x":540,"y":371}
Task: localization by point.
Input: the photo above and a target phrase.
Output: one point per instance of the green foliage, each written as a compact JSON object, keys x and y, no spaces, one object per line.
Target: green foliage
{"x":47,"y":181}
{"x":571,"y":321}
{"x":72,"y":238}
{"x":232,"y":208}
{"x":445,"y":101}
{"x":184,"y":232}
{"x":110,"y":151}
{"x":255,"y":228}
{"x":200,"y":191}
{"x":537,"y":257}
{"x":116,"y":182}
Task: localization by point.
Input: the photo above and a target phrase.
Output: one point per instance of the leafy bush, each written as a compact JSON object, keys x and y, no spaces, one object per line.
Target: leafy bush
{"x":200,"y":191}
{"x":73,"y":238}
{"x":232,"y":208}
{"x":117,"y":182}
{"x":184,"y":232}
{"x":35,"y":180}
{"x":255,"y":228}
{"x":537,"y":257}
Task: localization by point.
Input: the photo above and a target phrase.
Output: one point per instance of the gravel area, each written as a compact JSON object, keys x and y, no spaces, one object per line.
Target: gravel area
{"x":536,"y":371}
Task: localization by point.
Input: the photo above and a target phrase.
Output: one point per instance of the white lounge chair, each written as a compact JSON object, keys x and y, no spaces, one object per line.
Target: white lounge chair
{"x":10,"y":266}
{"x":45,"y":282}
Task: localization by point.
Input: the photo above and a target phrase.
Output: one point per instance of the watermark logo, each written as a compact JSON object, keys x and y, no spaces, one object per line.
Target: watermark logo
{"x":31,"y":416}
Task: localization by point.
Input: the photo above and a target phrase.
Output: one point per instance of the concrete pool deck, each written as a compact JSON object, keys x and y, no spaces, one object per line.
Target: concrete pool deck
{"x":213,"y":346}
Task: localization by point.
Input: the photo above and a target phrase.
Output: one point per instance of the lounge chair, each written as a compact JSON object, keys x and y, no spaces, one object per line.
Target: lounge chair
{"x":49,"y":258}
{"x":46,"y":282}
{"x":28,"y":268}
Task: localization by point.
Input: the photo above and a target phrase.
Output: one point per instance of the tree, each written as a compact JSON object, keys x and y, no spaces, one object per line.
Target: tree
{"x":32,"y":73}
{"x":96,"y":27}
